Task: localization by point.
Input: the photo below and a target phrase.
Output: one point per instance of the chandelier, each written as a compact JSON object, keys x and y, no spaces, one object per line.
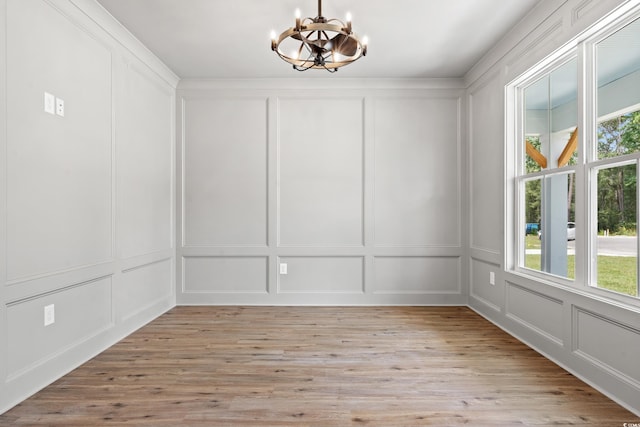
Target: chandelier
{"x":319,"y":43}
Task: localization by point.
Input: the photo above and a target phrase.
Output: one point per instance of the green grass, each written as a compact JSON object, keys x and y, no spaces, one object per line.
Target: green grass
{"x":532,"y":242}
{"x":614,"y":273}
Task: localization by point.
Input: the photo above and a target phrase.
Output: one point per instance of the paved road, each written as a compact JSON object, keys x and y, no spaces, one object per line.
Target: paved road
{"x":617,"y":245}
{"x":608,"y":246}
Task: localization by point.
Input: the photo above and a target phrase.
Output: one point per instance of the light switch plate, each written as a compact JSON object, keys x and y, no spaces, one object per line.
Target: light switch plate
{"x":492,"y":278}
{"x":49,"y":103}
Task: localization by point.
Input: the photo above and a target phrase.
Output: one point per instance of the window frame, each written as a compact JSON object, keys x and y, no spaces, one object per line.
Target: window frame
{"x":584,"y":49}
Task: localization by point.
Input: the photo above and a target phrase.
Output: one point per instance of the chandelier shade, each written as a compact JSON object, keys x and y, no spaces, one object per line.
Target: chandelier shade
{"x":319,"y":43}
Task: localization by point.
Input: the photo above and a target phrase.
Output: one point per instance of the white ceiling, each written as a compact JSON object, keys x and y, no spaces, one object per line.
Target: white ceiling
{"x":230,"y":38}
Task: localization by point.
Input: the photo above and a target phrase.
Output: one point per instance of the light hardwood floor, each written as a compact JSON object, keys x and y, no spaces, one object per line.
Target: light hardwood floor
{"x":319,"y":366}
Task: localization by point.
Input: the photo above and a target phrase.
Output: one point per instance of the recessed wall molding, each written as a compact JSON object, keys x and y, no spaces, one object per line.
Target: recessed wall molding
{"x":417,"y":275}
{"x":524,"y":306}
{"x":225,"y":274}
{"x":489,"y":304}
{"x":27,"y":288}
{"x":481,"y":289}
{"x":486,"y":228}
{"x":610,"y":334}
{"x":139,"y":261}
{"x":40,"y":344}
{"x":581,"y":10}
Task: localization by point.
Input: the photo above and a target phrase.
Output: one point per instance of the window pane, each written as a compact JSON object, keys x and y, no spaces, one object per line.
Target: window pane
{"x":618,"y":77}
{"x":617,"y":246}
{"x":550,"y":202}
{"x":550,"y":119}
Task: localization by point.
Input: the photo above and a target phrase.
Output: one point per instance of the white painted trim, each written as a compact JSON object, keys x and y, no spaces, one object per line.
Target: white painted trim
{"x":319,"y":83}
{"x":95,"y":12}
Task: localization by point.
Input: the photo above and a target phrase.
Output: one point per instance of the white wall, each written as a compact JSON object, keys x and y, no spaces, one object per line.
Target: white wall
{"x":356,"y":186}
{"x":596,"y":339}
{"x":86,"y":199}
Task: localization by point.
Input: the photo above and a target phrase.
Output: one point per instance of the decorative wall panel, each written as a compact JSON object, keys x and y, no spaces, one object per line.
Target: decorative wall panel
{"x":320,"y":161}
{"x":417,"y":187}
{"x":225,"y":172}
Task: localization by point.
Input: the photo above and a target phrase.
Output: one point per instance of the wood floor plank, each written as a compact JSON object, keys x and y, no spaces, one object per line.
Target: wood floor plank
{"x":319,"y":366}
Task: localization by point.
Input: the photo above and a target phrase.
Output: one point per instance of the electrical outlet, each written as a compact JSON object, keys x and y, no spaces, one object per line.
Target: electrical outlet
{"x":492,"y":278}
{"x":283,"y":268}
{"x":60,"y":107}
{"x":49,"y":314}
{"x":49,"y":103}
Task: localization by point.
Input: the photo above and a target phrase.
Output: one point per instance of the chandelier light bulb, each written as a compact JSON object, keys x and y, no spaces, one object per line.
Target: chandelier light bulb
{"x":297,"y":19}
{"x":274,"y":40}
{"x":349,"y":22}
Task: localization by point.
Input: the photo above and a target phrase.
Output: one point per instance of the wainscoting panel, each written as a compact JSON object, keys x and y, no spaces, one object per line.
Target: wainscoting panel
{"x":536,"y":311}
{"x":56,"y":220}
{"x":320,"y":173}
{"x":492,"y":295}
{"x":486,"y":130}
{"x":336,"y":275}
{"x":145,"y":159}
{"x":417,"y":167}
{"x":225,"y":171}
{"x":81,"y":311}
{"x":143,"y":286}
{"x":225,"y":274}
{"x":595,"y":336}
{"x":417,"y":275}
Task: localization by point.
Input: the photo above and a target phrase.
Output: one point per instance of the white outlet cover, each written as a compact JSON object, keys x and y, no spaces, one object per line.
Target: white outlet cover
{"x":49,"y":103}
{"x":49,"y":314}
{"x":492,"y":278}
{"x":283,"y":268}
{"x":60,"y":107}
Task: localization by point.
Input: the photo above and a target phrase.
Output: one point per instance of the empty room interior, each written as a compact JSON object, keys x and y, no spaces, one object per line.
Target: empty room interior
{"x":328,"y":213}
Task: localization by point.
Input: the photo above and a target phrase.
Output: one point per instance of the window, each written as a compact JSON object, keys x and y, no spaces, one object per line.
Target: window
{"x":575,"y":123}
{"x":614,"y":167}
{"x":547,"y":181}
